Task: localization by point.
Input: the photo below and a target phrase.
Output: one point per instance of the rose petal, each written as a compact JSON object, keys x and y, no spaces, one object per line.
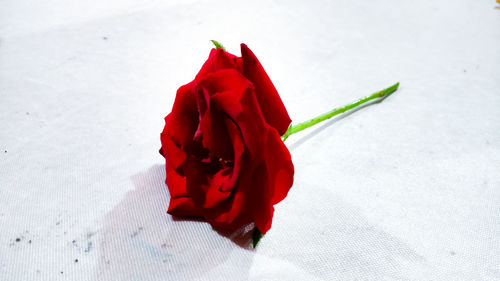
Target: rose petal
{"x":214,"y":134}
{"x":234,"y":212}
{"x":235,"y":97}
{"x":269,"y":100}
{"x":218,"y":60}
{"x":176,"y":184}
{"x":175,"y":157}
{"x":223,"y":80}
{"x":182,"y":122}
{"x":183,"y":206}
{"x":180,"y":126}
{"x":198,"y":185}
{"x":238,"y":151}
{"x":280,"y":167}
{"x":262,"y":208}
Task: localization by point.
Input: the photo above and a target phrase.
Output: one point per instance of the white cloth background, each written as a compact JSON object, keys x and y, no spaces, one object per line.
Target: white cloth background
{"x":407,"y":189}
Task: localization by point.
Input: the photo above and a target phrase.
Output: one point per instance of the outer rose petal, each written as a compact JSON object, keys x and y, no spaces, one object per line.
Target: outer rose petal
{"x":263,"y":209}
{"x":180,"y":126}
{"x":274,"y":178}
{"x":279,"y":166}
{"x":269,"y":100}
{"x":218,"y":60}
{"x":183,"y":206}
{"x":183,"y":120}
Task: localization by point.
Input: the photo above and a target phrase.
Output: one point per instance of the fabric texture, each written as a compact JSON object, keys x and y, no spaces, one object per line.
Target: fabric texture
{"x":405,"y":189}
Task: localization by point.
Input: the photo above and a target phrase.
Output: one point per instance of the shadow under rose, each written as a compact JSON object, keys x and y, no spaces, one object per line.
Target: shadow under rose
{"x":315,"y":236}
{"x":140,"y":241}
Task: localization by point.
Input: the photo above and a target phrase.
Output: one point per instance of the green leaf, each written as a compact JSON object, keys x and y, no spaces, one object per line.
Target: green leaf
{"x":256,"y":236}
{"x":218,"y":45}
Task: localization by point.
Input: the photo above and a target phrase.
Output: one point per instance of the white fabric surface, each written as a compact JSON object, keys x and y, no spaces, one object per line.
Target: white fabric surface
{"x":407,"y":189}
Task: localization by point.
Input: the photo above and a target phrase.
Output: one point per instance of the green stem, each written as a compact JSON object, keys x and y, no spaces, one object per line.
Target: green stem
{"x":304,"y":125}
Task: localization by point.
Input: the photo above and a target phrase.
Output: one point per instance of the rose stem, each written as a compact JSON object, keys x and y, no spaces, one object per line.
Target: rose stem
{"x":304,"y":125}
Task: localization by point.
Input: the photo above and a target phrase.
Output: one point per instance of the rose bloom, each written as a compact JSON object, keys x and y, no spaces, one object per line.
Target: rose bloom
{"x":225,"y":160}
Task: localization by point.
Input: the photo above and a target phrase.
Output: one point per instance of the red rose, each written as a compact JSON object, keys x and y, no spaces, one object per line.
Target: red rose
{"x":225,"y":160}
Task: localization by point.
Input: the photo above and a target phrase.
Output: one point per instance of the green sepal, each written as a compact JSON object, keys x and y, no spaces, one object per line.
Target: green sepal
{"x":256,"y":236}
{"x":218,"y":45}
